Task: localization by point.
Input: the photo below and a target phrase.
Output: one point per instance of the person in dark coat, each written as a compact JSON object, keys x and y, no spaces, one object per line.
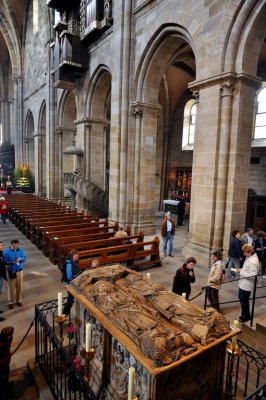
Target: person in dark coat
{"x":71,"y":272}
{"x":181,"y":211}
{"x":234,"y":252}
{"x":2,"y":273}
{"x":184,"y":277}
{"x":260,"y":249}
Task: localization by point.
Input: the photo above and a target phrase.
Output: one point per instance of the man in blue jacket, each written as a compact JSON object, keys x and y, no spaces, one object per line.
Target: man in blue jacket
{"x":14,"y":258}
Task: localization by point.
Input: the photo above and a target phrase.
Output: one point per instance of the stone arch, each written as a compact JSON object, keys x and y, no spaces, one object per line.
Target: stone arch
{"x":40,"y":149}
{"x":244,"y":38}
{"x":164,"y":45}
{"x":29,"y":141}
{"x":67,"y":103}
{"x":11,"y":44}
{"x":98,"y":109}
{"x":97,"y":90}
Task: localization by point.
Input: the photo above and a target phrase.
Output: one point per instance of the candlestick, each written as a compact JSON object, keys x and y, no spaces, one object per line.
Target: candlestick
{"x":234,"y":339}
{"x":59,"y":304}
{"x":88,"y":337}
{"x":184,"y":295}
{"x":131,"y":383}
{"x":148,"y":275}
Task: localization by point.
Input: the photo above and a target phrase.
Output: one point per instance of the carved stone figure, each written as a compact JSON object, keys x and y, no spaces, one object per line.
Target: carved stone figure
{"x":163,"y":325}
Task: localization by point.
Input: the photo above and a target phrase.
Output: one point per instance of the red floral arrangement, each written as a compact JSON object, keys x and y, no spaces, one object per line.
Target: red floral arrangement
{"x":71,"y":331}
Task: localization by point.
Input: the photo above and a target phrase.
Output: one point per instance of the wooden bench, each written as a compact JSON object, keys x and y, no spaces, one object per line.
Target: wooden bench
{"x":56,"y":242}
{"x":46,"y":241}
{"x":135,"y":255}
{"x":63,"y":250}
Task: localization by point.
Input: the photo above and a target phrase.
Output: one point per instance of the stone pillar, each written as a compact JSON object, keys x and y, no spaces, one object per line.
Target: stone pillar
{"x":221,"y":159}
{"x":144,"y":167}
{"x":27,"y":155}
{"x":38,"y":162}
{"x":87,"y":150}
{"x":217,"y":234}
{"x":59,"y":132}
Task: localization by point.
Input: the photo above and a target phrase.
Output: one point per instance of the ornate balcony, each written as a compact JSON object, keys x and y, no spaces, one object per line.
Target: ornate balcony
{"x":95,"y":17}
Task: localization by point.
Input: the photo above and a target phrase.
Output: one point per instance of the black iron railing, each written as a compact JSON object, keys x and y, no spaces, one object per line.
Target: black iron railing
{"x":54,"y":357}
{"x":253,"y":297}
{"x":258,"y":394}
{"x":249,"y":371}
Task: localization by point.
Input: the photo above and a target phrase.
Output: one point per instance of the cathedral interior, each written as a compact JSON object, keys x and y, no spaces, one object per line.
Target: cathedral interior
{"x":118,"y":110}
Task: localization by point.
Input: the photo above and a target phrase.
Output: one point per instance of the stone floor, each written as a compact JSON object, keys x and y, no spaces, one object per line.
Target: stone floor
{"x":42,"y":283}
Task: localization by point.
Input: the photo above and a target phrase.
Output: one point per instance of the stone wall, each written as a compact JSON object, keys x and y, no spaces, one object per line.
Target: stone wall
{"x":257,"y":176}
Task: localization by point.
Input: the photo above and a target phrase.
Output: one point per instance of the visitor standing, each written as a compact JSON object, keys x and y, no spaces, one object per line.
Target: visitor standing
{"x":234,"y":252}
{"x":3,"y":209}
{"x":167,"y":233}
{"x":181,"y":207}
{"x":260,"y":249}
{"x":184,"y":277}
{"x":246,"y":282}
{"x":2,"y":273}
{"x":14,"y":258}
{"x":70,"y":272}
{"x":214,"y":280}
{"x":247,"y":237}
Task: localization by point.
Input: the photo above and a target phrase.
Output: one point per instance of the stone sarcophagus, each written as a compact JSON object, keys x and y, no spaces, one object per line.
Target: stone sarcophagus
{"x":177,"y":349}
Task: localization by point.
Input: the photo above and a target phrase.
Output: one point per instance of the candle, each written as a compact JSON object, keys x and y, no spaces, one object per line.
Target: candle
{"x":234,"y":339}
{"x":88,"y":337}
{"x":184,"y":295}
{"x":131,"y":383}
{"x":59,"y":304}
{"x":148,"y":275}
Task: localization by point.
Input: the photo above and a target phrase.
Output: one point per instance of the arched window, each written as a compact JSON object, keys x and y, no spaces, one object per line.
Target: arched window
{"x":260,"y":122}
{"x":189,"y":124}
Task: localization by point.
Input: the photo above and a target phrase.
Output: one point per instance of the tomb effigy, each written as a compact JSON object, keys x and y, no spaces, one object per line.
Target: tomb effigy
{"x":177,"y":348}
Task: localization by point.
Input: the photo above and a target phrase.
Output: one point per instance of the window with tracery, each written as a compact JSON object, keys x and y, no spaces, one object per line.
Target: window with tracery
{"x":260,"y":121}
{"x":189,"y":125}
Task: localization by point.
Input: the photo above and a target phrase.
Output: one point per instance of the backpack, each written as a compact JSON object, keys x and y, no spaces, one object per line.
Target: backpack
{"x":62,"y":269}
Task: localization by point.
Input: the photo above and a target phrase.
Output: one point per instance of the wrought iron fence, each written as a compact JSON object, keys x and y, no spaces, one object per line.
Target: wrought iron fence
{"x":55,"y":357}
{"x":246,"y":375}
{"x":258,"y":394}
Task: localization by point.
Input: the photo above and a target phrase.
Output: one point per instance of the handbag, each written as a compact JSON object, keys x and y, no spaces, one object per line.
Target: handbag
{"x":12,"y":274}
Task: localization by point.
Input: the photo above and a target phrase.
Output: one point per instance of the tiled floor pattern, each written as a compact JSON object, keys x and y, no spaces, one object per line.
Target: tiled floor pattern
{"x":42,"y":283}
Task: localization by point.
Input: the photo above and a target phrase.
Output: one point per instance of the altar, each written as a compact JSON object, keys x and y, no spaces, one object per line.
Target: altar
{"x":177,"y":348}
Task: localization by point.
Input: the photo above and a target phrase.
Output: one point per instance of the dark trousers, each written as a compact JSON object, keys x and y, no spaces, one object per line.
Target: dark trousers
{"x":244,"y":296}
{"x":4,"y":218}
{"x":69,"y":304}
{"x":180,"y":218}
{"x":213,"y":297}
{"x":263,"y":266}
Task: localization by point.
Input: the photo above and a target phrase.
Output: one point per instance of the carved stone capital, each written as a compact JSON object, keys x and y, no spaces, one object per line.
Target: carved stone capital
{"x":18,"y":79}
{"x":137,"y":109}
{"x":227,"y":89}
{"x":196,"y":95}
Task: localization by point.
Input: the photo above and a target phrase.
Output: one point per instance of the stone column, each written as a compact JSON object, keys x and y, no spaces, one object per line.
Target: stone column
{"x":217,"y":234}
{"x":87,"y":150}
{"x":27,"y":158}
{"x":144,"y":167}
{"x":38,"y":162}
{"x":14,"y":133}
{"x":59,"y":132}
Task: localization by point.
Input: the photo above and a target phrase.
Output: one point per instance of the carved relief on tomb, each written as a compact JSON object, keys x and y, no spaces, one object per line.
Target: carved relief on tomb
{"x":163,"y":325}
{"x":121,"y":361}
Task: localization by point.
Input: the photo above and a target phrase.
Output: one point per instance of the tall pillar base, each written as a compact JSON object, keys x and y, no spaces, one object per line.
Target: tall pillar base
{"x":200,"y":252}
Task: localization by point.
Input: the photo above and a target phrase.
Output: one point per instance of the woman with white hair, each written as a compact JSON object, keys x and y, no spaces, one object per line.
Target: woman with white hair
{"x":246,"y":282}
{"x":3,"y":209}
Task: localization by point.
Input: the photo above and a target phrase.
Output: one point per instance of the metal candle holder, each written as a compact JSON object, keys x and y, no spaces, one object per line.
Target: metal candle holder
{"x":87,"y":356}
{"x":60,"y":320}
{"x":235,"y":351}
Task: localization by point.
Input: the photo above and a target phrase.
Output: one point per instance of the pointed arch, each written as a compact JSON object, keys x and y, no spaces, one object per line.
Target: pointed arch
{"x":101,"y":78}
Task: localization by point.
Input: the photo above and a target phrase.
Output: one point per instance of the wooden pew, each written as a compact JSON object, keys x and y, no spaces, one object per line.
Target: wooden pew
{"x":94,"y":244}
{"x":45,"y":245}
{"x":57,"y":241}
{"x":134,"y":254}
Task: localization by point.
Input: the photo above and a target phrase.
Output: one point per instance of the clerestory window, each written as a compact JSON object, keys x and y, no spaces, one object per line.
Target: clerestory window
{"x":189,"y":125}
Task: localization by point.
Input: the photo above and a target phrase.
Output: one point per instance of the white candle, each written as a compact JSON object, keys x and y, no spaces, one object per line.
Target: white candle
{"x":148,"y":275}
{"x":131,"y":383}
{"x":234,"y":339}
{"x":59,"y":304}
{"x":88,"y":337}
{"x":184,"y":295}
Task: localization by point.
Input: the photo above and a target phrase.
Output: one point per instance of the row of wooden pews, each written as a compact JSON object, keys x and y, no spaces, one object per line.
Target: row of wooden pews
{"x":56,"y":229}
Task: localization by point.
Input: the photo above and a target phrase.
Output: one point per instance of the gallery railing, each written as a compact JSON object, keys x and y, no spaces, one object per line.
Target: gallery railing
{"x":95,"y":195}
{"x":55,"y":359}
{"x":258,"y":394}
{"x":248,"y":372}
